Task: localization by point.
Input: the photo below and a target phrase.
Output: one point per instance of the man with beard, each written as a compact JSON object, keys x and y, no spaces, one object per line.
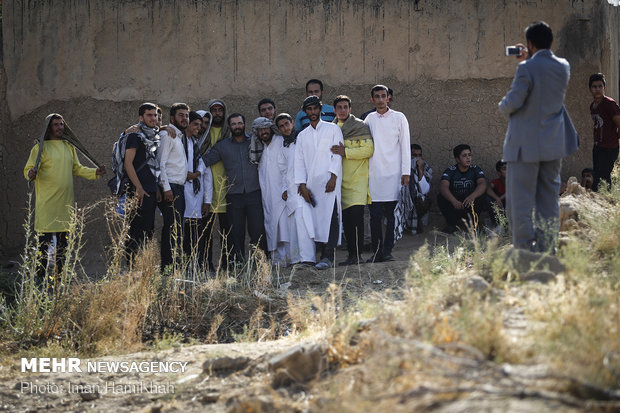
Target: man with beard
{"x":272,"y":185}
{"x":219,"y":130}
{"x":357,"y":149}
{"x":198,"y":194}
{"x":173,"y":174}
{"x":53,"y":178}
{"x":318,"y":172}
{"x":142,"y":168}
{"x":300,"y":227}
{"x":244,"y":197}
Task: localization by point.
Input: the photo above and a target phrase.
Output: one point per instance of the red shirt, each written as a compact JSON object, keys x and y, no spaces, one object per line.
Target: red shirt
{"x":605,"y":130}
{"x":499,"y":186}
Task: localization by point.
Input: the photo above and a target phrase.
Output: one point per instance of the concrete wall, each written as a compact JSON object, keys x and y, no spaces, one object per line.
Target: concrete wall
{"x":94,"y":61}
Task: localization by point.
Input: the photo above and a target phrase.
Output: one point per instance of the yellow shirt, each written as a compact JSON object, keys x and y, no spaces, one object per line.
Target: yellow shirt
{"x":54,"y":184}
{"x":355,"y":171}
{"x":218,"y":204}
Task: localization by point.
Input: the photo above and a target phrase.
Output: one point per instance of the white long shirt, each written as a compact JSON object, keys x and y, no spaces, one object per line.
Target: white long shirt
{"x":271,"y":186}
{"x":314,"y":164}
{"x":193,"y":202}
{"x":172,"y":160}
{"x":392,"y":156}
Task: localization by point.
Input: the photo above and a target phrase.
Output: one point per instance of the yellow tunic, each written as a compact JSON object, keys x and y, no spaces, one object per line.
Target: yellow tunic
{"x":54,"y":184}
{"x":355,"y":171}
{"x":218,"y":204}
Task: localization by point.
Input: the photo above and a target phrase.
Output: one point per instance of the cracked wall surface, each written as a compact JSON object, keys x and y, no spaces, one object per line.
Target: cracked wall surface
{"x":95,"y":61}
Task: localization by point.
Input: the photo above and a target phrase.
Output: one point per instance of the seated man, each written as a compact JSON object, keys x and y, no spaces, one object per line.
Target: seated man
{"x":587,"y":178}
{"x":462,"y":187}
{"x":419,"y":186}
{"x":497,"y":189}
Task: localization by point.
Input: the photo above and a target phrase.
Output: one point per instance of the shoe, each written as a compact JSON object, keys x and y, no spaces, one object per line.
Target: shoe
{"x":305,"y":264}
{"x":324,"y":264}
{"x":388,"y":257}
{"x":450,"y":229}
{"x":351,"y":261}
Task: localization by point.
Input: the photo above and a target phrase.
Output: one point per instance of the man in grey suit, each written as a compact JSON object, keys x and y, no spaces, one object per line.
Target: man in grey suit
{"x":540,"y":133}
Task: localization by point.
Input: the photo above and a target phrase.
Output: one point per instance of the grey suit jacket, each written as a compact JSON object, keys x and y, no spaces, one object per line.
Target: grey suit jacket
{"x":539,"y":128}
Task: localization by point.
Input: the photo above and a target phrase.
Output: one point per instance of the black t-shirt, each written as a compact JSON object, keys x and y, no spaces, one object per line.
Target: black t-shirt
{"x":462,"y":184}
{"x":148,"y":181}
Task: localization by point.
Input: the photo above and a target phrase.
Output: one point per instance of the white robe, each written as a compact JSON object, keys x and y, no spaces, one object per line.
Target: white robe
{"x":271,"y":184}
{"x":301,"y":228}
{"x":193,"y":202}
{"x":314,"y":164}
{"x":392,"y":156}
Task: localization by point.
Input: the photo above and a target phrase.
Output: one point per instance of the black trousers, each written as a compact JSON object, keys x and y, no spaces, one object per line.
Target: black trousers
{"x":378,"y":210}
{"x":45,"y":240}
{"x":328,"y":248}
{"x":603,"y":160}
{"x":225,"y":239}
{"x":194,"y":239}
{"x":246,"y":210}
{"x":454,"y":217}
{"x":353,"y":225}
{"x":172,"y":231}
{"x":142,"y":224}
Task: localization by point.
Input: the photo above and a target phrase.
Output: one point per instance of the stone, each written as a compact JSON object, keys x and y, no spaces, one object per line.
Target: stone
{"x":543,"y":277}
{"x":225,"y":364}
{"x":524,"y":261}
{"x":210,"y":398}
{"x":477,"y":284}
{"x":298,"y":364}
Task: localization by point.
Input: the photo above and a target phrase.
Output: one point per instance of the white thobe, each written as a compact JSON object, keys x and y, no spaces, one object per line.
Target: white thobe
{"x":392,"y":156}
{"x":271,"y":184}
{"x":194,"y":201}
{"x":172,"y":160}
{"x":314,"y":164}
{"x":300,"y":226}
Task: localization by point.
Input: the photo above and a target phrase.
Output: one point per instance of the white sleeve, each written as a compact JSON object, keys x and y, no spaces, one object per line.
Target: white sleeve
{"x":301,"y":174}
{"x":335,"y":164}
{"x":283,"y":167}
{"x":207,"y":183}
{"x":405,"y":147}
{"x":163,"y":154}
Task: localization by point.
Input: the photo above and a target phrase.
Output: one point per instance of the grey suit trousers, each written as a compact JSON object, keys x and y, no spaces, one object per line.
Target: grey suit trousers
{"x":533,"y":187}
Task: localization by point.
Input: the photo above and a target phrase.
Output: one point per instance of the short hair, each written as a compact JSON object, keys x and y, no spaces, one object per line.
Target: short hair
{"x":458,"y":149}
{"x":234,"y":115}
{"x":283,"y":116}
{"x":193,"y":115}
{"x":595,"y":77}
{"x":342,"y":98}
{"x":176,"y":107}
{"x":415,"y":146}
{"x":540,"y":34}
{"x":499,"y":164}
{"x":159,"y":110}
{"x":390,"y":92}
{"x":317,"y":81}
{"x":377,"y":88}
{"x":146,"y":106}
{"x":265,"y":100}
{"x":587,"y":171}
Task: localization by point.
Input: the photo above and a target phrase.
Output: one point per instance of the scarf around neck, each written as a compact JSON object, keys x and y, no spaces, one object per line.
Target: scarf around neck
{"x":354,"y":129}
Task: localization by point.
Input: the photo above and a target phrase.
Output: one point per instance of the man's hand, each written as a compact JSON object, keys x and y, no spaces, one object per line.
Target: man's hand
{"x":457,"y":204}
{"x":404,"y":180}
{"x":285,"y":195}
{"x":499,"y":203}
{"x":192,"y":175}
{"x":205,"y":209}
{"x":158,"y":196}
{"x":339,"y":150}
{"x":171,"y":132}
{"x":524,"y":52}
{"x":305,"y":193}
{"x":140,"y":193}
{"x":469,"y":201}
{"x":168,"y":196}
{"x":331,"y":184}
{"x":32,"y":174}
{"x":101,"y":170}
{"x":132,"y":129}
